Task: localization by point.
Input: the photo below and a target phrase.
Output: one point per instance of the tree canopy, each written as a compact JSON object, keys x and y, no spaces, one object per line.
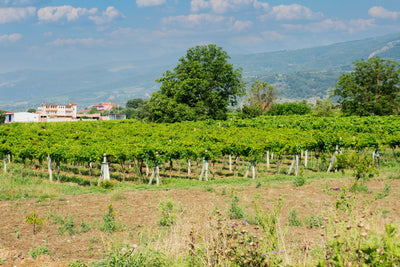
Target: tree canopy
{"x":372,"y":88}
{"x":201,"y":86}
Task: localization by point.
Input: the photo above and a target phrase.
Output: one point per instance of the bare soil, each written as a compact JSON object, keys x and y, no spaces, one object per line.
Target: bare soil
{"x":139,"y":213}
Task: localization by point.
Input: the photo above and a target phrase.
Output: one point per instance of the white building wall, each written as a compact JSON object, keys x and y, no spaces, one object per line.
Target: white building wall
{"x":26,"y":117}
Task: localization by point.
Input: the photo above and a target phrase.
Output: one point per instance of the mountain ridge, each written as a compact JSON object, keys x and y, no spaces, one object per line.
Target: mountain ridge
{"x":298,"y":74}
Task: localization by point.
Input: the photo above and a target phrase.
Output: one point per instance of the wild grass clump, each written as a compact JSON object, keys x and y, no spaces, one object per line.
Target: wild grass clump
{"x":168,"y":215}
{"x":41,"y":250}
{"x":236,"y":211}
{"x":293,"y":218}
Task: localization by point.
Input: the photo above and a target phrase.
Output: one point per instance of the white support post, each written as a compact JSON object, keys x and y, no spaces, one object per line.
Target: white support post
{"x":291,"y":166}
{"x":267,"y":159}
{"x":105,"y":172}
{"x":253,"y":168}
{"x":189,"y":167}
{"x":248,"y":170}
{"x":152,"y":175}
{"x":296,"y":171}
{"x":50,"y":168}
{"x":158,"y":175}
{"x":204,"y":171}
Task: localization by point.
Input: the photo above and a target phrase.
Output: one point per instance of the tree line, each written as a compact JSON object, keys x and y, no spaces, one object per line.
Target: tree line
{"x":204,"y":85}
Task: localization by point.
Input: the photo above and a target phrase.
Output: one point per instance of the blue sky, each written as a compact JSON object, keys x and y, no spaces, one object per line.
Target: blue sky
{"x":56,"y":34}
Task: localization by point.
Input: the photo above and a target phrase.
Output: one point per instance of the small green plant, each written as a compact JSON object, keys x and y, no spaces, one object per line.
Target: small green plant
{"x":36,"y":222}
{"x":299,"y":181}
{"x":385,"y":191}
{"x":109,"y":223}
{"x":107,"y":184}
{"x":16,"y":231}
{"x":85,"y":227}
{"x":293,"y":218}
{"x":236,"y":211}
{"x":209,"y":189}
{"x":126,"y":256}
{"x":77,"y":264}
{"x":168,"y":217}
{"x":39,"y":251}
{"x":258,"y":185}
{"x":314,"y":221}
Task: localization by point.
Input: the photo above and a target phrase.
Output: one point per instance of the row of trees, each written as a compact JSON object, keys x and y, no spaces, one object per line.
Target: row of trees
{"x":204,"y":85}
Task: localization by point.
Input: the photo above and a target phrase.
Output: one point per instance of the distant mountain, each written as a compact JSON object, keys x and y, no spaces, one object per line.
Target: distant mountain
{"x":298,"y":74}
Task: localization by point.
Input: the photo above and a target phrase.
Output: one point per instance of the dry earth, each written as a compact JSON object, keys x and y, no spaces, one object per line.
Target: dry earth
{"x":138,"y":212}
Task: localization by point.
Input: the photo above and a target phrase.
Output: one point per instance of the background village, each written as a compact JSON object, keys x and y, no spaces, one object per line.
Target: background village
{"x":65,"y":112}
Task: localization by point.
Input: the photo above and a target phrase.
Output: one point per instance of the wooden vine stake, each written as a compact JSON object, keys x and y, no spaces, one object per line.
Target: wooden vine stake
{"x":105,"y":171}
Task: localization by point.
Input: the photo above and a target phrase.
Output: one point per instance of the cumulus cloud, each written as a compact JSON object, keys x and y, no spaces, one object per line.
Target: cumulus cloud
{"x":239,"y":25}
{"x":53,"y":14}
{"x":13,"y":14}
{"x":10,"y":37}
{"x":19,"y":2}
{"x":292,"y":12}
{"x":382,"y":13}
{"x":110,"y":14}
{"x":260,"y":5}
{"x":218,"y":6}
{"x":193,"y":20}
{"x":90,"y":42}
{"x":356,"y":25}
{"x":146,"y":3}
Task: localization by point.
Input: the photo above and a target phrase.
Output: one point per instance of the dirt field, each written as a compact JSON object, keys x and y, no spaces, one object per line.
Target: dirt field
{"x":138,"y":212}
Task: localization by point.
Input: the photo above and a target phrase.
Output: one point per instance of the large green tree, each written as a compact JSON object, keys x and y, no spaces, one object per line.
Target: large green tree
{"x":201,"y":86}
{"x":372,"y":88}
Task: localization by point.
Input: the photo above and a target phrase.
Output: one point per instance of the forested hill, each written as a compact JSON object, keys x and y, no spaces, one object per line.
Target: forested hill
{"x":312,"y":72}
{"x":298,"y":74}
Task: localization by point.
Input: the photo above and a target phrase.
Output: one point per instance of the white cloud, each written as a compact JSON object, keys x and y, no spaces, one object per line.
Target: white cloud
{"x":273,"y":36}
{"x":52,"y":14}
{"x":146,"y":3}
{"x":10,"y":38}
{"x":12,"y":14}
{"x":260,"y":5}
{"x":356,"y":25}
{"x":110,"y":14}
{"x":382,"y":13}
{"x":218,"y":6}
{"x":90,"y":42}
{"x":332,"y":25}
{"x":292,"y":12}
{"x":197,"y":5}
{"x":239,"y":25}
{"x":194,"y":20}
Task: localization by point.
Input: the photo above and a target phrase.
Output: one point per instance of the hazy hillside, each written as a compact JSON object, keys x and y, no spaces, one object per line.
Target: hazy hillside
{"x":298,"y":74}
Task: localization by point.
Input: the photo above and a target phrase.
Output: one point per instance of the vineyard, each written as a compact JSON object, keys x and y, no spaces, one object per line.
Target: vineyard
{"x":304,"y":206}
{"x":135,"y":151}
